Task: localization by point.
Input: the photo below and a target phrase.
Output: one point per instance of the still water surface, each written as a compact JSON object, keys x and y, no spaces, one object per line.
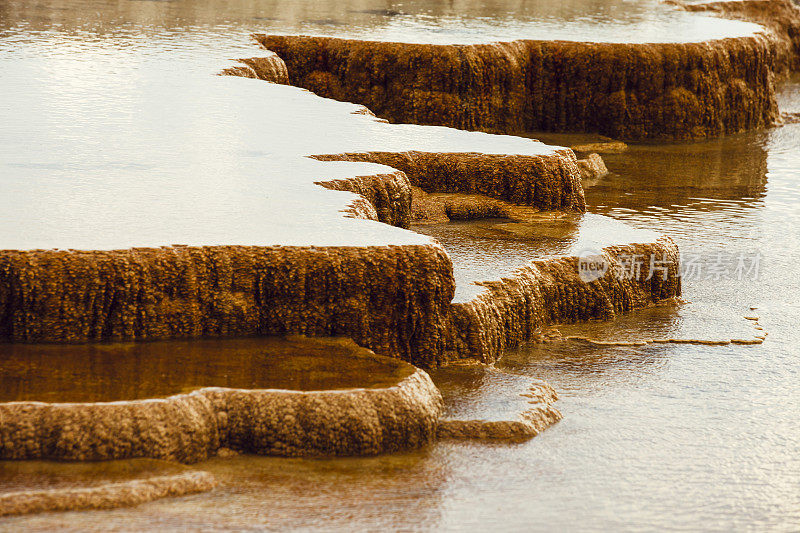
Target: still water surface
{"x":669,"y":437}
{"x":109,"y":372}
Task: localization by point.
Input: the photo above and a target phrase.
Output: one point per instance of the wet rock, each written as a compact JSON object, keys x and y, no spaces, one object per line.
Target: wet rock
{"x":388,"y":194}
{"x":592,"y":167}
{"x":790,"y":118}
{"x":780,"y":17}
{"x":226,"y":452}
{"x":392,"y":299}
{"x":530,"y":422}
{"x":626,"y":91}
{"x":107,"y":496}
{"x":358,"y":422}
{"x":426,"y":208}
{"x":543,"y":292}
{"x":443,"y":207}
{"x":192,"y":427}
{"x":610,"y":147}
{"x":549,"y":182}
{"x":269,"y":68}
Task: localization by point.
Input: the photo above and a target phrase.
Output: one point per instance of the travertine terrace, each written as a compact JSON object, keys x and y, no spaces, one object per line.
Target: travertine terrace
{"x":780,"y":17}
{"x":387,"y":288}
{"x":637,"y":91}
{"x":303,"y":229}
{"x":105,"y":496}
{"x":193,"y":426}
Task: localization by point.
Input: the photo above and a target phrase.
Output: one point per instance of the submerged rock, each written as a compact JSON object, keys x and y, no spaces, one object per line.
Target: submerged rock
{"x":592,"y":167}
{"x":106,"y":496}
{"x":536,"y":418}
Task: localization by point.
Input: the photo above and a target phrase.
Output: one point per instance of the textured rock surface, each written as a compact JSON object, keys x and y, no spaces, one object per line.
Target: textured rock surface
{"x":108,"y":496}
{"x":543,"y":181}
{"x":529,"y":423}
{"x":192,"y":427}
{"x":180,"y":428}
{"x":357,"y":422}
{"x":392,"y":299}
{"x":388,"y":194}
{"x":442,"y":207}
{"x":628,"y":91}
{"x":592,"y":167}
{"x":269,"y":68}
{"x":544,"y":292}
{"x":781,"y":17}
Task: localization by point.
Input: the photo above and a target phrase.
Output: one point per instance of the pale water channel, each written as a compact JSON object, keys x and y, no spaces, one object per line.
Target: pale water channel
{"x":658,"y":437}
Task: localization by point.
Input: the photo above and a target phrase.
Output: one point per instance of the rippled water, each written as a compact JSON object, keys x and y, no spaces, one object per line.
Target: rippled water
{"x":674,"y":437}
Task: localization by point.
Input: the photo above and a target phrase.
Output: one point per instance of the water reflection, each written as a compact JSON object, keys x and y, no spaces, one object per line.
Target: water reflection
{"x":111,"y":372}
{"x":484,"y":250}
{"x":660,"y":437}
{"x":361,"y":493}
{"x":480,"y":392}
{"x":731,"y":168}
{"x":420,"y":20}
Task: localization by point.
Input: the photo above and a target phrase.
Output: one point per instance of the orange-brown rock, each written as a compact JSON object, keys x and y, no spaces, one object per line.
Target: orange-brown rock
{"x":511,"y":311}
{"x":781,"y":17}
{"x":627,"y":91}
{"x":269,"y":68}
{"x":392,"y":299}
{"x":426,"y":208}
{"x":592,"y":167}
{"x":528,"y":424}
{"x":437,"y":208}
{"x":194,"y":426}
{"x":106,"y":496}
{"x":549,"y":182}
{"x":389,"y":194}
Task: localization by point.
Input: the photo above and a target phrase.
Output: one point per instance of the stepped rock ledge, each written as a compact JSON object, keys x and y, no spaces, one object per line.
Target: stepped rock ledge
{"x":630,"y":91}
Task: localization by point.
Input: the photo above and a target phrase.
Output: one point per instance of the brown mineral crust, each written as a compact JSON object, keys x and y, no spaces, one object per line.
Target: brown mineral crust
{"x":442,"y":207}
{"x":193,"y":427}
{"x":426,"y":208}
{"x":389,"y":194}
{"x":781,"y":17}
{"x":550,"y":182}
{"x":270,"y":68}
{"x":362,"y":208}
{"x":471,"y":206}
{"x":392,"y":299}
{"x":592,"y":167}
{"x":108,"y":496}
{"x":543,"y":292}
{"x":529,"y":423}
{"x":632,"y":91}
{"x":354,"y":422}
{"x":180,"y":428}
